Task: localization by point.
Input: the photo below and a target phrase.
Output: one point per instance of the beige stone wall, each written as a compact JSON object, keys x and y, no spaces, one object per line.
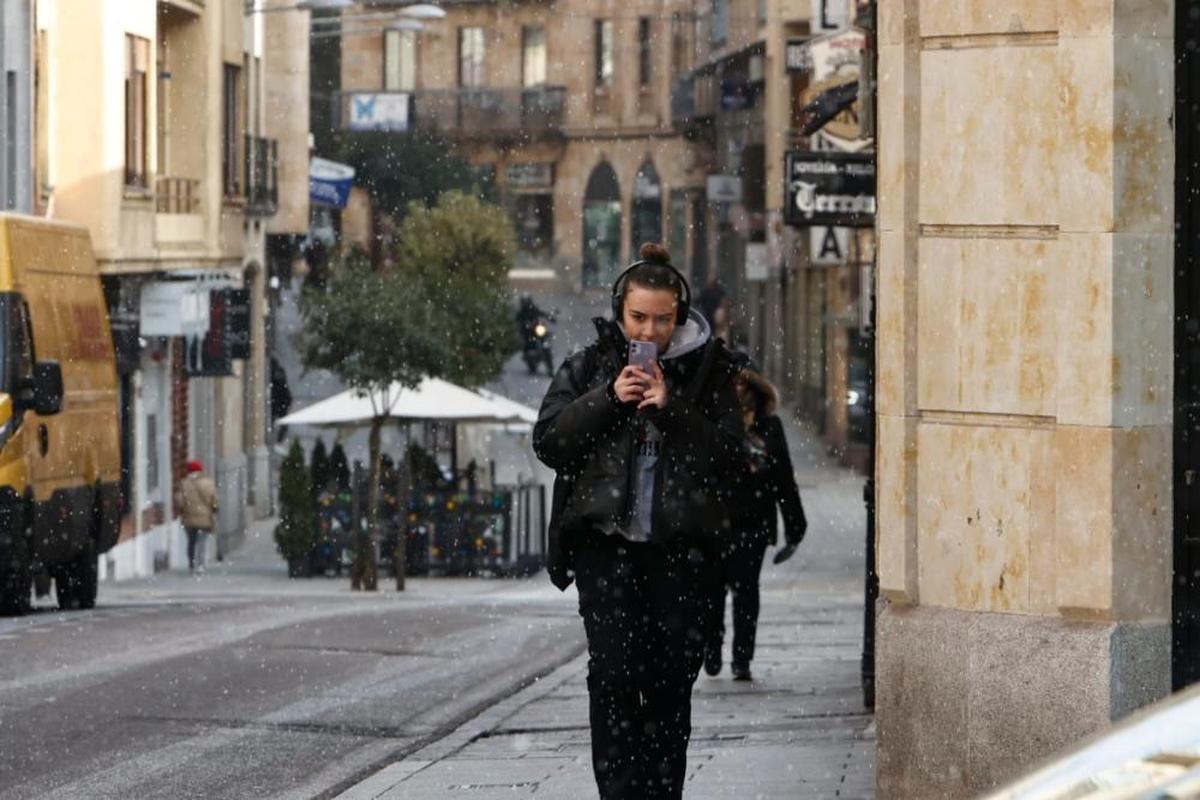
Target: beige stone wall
{"x":286,"y":112}
{"x":1025,"y":346}
{"x":1025,"y":306}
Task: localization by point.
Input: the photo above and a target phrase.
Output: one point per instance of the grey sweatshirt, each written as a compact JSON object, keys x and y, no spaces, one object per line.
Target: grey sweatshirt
{"x":687,"y":337}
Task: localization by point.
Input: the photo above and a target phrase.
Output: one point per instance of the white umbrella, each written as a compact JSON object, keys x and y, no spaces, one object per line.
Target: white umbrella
{"x":433,"y":399}
{"x":520,"y":412}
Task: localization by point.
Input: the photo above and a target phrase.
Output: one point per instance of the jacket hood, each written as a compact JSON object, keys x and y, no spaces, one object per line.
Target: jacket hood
{"x":768,"y":395}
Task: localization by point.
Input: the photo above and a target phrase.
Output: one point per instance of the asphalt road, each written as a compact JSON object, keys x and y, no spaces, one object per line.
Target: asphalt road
{"x":245,"y":684}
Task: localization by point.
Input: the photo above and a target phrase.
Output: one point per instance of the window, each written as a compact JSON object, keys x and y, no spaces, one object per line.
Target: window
{"x":400,"y":61}
{"x":604,"y":52}
{"x":470,"y":57}
{"x":720,"y":21}
{"x":137,"y":67}
{"x":232,"y":132}
{"x":644,"y":52}
{"x":533,"y":56}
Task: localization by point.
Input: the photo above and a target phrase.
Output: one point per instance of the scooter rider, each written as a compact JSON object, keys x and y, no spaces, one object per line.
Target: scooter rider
{"x":642,"y":457}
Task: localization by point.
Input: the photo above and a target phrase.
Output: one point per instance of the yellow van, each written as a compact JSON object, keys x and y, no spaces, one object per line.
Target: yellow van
{"x":60,"y":495}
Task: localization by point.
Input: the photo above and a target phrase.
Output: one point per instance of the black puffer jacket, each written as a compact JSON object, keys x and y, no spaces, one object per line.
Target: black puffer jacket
{"x":766,"y":478}
{"x":588,"y":437}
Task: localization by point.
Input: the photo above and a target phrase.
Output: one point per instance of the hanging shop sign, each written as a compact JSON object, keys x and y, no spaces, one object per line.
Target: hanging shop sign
{"x":377,"y":111}
{"x":529,"y":175}
{"x":329,"y":182}
{"x":173,"y":308}
{"x":828,"y":245}
{"x":834,"y":63}
{"x":724,"y":189}
{"x":758,"y":266}
{"x":829,"y":188}
{"x":228,"y":336}
{"x":830,"y":15}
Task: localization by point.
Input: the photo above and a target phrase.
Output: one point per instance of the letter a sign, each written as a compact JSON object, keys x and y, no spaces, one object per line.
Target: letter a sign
{"x":829,"y":245}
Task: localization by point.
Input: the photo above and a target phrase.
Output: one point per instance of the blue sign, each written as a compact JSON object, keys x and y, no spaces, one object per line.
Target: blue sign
{"x":329,"y":182}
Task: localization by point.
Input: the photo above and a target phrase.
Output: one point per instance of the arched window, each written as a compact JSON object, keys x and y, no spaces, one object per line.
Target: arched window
{"x":647,"y":213}
{"x":601,"y":226}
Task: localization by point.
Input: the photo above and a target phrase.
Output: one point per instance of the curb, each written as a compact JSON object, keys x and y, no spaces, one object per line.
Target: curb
{"x":462,"y":736}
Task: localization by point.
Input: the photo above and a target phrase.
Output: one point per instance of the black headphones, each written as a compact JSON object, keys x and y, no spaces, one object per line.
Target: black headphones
{"x":685,"y":298}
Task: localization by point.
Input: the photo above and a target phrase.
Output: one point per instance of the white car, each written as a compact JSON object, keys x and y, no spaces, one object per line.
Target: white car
{"x":1152,"y":755}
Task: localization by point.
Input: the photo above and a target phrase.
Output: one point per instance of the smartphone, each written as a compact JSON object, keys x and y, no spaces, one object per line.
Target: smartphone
{"x":643,"y":355}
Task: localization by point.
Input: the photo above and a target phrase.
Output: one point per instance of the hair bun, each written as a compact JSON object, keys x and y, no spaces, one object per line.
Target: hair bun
{"x":654,"y":253}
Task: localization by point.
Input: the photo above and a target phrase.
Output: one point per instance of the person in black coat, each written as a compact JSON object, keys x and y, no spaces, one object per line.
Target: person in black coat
{"x":764,"y":482}
{"x":639,"y":521}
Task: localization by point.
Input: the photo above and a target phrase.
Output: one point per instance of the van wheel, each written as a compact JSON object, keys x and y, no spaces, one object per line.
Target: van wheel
{"x":76,"y":582}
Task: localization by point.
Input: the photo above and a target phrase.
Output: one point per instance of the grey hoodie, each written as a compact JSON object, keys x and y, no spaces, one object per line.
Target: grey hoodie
{"x":690,"y":336}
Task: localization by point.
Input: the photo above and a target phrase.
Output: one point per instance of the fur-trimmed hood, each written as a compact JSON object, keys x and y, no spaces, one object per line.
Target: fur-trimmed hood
{"x":768,"y":395}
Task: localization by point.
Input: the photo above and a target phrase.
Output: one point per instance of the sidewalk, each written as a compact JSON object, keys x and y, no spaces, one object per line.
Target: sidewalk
{"x":797,"y":731}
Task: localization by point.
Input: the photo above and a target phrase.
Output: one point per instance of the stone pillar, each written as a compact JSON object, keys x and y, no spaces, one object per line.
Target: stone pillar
{"x":1025,"y":348}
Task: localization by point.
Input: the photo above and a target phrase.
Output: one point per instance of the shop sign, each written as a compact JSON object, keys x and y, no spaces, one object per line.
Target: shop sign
{"x":724,"y":189}
{"x":829,"y":188}
{"x":796,"y":56}
{"x":212,"y":355}
{"x":529,"y":175}
{"x":830,"y":15}
{"x":237,"y":322}
{"x":378,"y":111}
{"x":828,"y":245}
{"x":757,"y":264}
{"x":835,"y":61}
{"x":646,"y":187}
{"x":173,"y":308}
{"x":329,"y":182}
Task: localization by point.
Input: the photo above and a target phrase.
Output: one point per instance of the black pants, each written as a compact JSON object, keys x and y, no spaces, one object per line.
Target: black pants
{"x":741,"y":569}
{"x":643,"y":607}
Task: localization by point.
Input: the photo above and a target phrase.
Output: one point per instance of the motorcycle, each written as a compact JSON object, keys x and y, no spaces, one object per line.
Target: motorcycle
{"x":538,"y":349}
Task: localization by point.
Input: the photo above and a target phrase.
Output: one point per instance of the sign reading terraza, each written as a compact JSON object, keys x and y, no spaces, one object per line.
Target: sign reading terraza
{"x":829,"y":188}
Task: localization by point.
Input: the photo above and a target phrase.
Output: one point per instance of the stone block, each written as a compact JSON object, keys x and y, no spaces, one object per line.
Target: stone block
{"x":920,"y":708}
{"x":896,"y":321}
{"x":1139,"y":18}
{"x":1084,"y":165}
{"x":1083,"y":526}
{"x":975,"y":518}
{"x":1143,"y":99}
{"x":967,"y":701}
{"x":990,"y":122}
{"x":896,"y":508}
{"x":988,"y":332}
{"x":1142,"y":522}
{"x":982,"y":17}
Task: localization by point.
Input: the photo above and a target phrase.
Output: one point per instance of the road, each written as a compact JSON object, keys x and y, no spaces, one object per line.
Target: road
{"x":245,"y":684}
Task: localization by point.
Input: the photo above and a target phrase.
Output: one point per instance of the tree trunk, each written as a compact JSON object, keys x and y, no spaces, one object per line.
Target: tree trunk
{"x":370,"y":564}
{"x":403,"y":493}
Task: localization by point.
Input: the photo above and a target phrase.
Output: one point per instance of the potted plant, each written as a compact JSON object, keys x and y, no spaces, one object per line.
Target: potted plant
{"x":296,"y":532}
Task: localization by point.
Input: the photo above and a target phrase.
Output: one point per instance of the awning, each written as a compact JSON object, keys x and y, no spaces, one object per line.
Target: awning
{"x":433,"y":399}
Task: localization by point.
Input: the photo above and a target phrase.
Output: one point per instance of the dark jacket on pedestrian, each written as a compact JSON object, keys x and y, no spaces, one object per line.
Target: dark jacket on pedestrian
{"x":589,"y":437}
{"x":766,"y":477}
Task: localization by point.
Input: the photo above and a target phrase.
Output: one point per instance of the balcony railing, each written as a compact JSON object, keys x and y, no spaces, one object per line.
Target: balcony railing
{"x":261,"y":170}
{"x":469,"y":113}
{"x":174,"y":195}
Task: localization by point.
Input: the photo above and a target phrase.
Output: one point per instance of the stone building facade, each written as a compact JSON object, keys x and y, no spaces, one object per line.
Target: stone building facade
{"x":150,"y":128}
{"x":1025,"y":488}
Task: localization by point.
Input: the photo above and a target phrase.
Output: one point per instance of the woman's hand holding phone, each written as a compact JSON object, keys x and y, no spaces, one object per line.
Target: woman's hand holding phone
{"x":655,"y":393}
{"x":630,"y":385}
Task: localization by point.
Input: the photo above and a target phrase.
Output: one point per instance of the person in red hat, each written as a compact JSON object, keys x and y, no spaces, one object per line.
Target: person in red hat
{"x":196,"y":501}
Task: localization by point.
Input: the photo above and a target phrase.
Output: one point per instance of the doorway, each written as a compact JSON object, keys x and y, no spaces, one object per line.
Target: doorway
{"x":1185,"y":591}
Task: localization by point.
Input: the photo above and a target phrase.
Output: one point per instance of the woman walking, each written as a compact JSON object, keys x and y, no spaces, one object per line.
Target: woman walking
{"x":642,"y":429}
{"x":765,"y":481}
